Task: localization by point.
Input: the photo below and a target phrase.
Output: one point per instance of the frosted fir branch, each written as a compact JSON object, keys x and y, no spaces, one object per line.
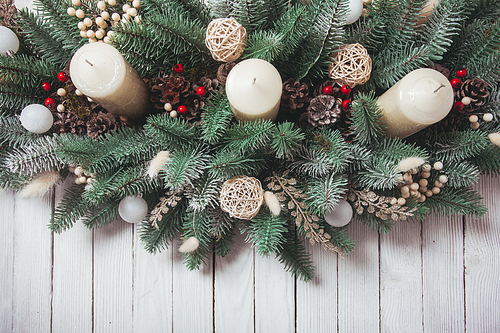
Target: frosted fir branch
{"x":216,"y":118}
{"x":204,"y":193}
{"x":184,"y":167}
{"x":14,"y":134}
{"x":323,"y":194}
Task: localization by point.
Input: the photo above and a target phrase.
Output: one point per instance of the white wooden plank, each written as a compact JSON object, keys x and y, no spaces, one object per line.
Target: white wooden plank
{"x":443,"y":269}
{"x":152,"y":289}
{"x":234,"y":290}
{"x":482,"y":246}
{"x":274,"y":296}
{"x":401,"y":278}
{"x":113,"y":272}
{"x":192,"y":306}
{"x":23,"y":3}
{"x":32,"y":265}
{"x":72,"y":277}
{"x":317,"y":300}
{"x":7,"y":258}
{"x":358,"y":283}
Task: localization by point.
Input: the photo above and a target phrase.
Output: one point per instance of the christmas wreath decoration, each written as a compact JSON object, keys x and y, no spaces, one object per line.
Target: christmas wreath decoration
{"x":175,"y":129}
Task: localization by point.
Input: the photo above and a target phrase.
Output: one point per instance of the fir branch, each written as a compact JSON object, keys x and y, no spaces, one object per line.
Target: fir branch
{"x":286,"y":140}
{"x":204,"y":194}
{"x":69,"y":209}
{"x":266,"y":233}
{"x":248,"y":136}
{"x":461,"y":174}
{"x":26,"y":71}
{"x":366,"y":119}
{"x":323,"y":194}
{"x":340,"y":238}
{"x":488,"y":160}
{"x":14,"y":97}
{"x":379,"y":176}
{"x":456,"y":201}
{"x":295,"y":257}
{"x":170,"y":132}
{"x":228,"y":163}
{"x":14,"y":134}
{"x":216,"y":118}
{"x":100,"y":215}
{"x":251,"y":14}
{"x":184,"y":167}
{"x":224,"y":243}
{"x":196,"y":224}
{"x":457,"y":146}
{"x":265,"y":45}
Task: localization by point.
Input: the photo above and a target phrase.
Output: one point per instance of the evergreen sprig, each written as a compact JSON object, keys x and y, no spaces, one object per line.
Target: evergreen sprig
{"x":367,"y":125}
{"x":266,"y":233}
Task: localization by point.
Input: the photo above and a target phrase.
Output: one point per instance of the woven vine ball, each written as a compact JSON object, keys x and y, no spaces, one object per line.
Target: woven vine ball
{"x":351,"y":65}
{"x":241,"y":197}
{"x":225,"y":38}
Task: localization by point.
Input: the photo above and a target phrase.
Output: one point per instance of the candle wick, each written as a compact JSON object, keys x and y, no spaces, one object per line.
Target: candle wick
{"x":254,"y":79}
{"x":441,"y":86}
{"x":88,"y":62}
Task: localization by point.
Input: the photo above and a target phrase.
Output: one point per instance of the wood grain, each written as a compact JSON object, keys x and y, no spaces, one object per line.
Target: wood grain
{"x":7,"y":222}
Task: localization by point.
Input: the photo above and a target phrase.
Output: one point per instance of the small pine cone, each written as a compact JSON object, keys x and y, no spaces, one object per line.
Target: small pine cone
{"x":344,"y":124}
{"x":441,"y":69}
{"x":454,"y":121}
{"x":207,"y":83}
{"x":193,"y":109}
{"x":295,"y":96}
{"x":101,"y":124}
{"x":69,"y":123}
{"x":323,"y":111}
{"x":319,"y":89}
{"x":174,"y":89}
{"x":156,"y":88}
{"x":223,"y":71}
{"x":477,"y":90}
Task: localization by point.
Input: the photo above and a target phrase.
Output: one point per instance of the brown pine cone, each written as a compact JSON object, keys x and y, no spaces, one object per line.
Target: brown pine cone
{"x":69,"y":123}
{"x":193,"y":109}
{"x":454,"y":121}
{"x":477,"y":90}
{"x":101,"y":124}
{"x":207,"y":83}
{"x":223,"y":71}
{"x":295,"y":96}
{"x":441,"y":69}
{"x":323,"y":111}
{"x":174,"y":89}
{"x":319,"y":89}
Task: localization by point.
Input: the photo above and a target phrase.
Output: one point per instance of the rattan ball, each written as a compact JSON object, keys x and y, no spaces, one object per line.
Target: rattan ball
{"x":351,"y":65}
{"x":241,"y":197}
{"x":225,"y":38}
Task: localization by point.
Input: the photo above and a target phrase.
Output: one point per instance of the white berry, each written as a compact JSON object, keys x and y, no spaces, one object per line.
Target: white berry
{"x":61,"y":108}
{"x":115,"y":17}
{"x":99,"y":21}
{"x":90,"y":33}
{"x":137,"y":19}
{"x":125,"y":7}
{"x":101,"y":5}
{"x":71,"y":11}
{"x":132,"y":12}
{"x":81,"y":26}
{"x":136,"y":3}
{"x":83,"y":33}
{"x":112,"y":2}
{"x":473,"y":118}
{"x":488,"y":117}
{"x":61,"y":92}
{"x":438,"y":166}
{"x":99,"y":34}
{"x":173,"y":114}
{"x":474,"y":126}
{"x":78,"y":92}
{"x":105,"y":15}
{"x":167,"y":107}
{"x":76,"y":2}
{"x":79,"y":13}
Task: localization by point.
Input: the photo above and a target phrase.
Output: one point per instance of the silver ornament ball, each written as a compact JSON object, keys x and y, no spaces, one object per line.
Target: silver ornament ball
{"x":133,"y":209}
{"x":340,"y":216}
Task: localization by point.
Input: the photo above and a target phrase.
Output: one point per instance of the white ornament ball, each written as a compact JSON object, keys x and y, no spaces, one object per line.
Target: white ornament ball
{"x":340,"y":216}
{"x":9,"y":43}
{"x":354,"y":11}
{"x":36,"y":118}
{"x":133,"y":209}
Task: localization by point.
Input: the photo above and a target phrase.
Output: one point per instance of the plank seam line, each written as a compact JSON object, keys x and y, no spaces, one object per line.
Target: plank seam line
{"x":379,"y":285}
{"x":53,"y":205}
{"x":464,"y":226}
{"x":422,"y":270}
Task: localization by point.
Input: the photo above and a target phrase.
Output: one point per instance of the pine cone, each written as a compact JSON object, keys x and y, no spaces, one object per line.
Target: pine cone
{"x":223,"y":71}
{"x":193,"y":109}
{"x":441,"y":69}
{"x":174,"y":89}
{"x":323,"y":111}
{"x":319,"y":89}
{"x":454,"y":121}
{"x":295,"y":96}
{"x":477,"y":90}
{"x":69,"y":123}
{"x":101,"y":124}
{"x":207,"y":83}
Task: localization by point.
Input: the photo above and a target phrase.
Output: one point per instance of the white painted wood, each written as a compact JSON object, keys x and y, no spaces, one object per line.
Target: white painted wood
{"x":32,"y":282}
{"x":274,"y":296}
{"x":113,"y":271}
{"x":401,"y":278}
{"x":152,"y":287}
{"x":317,"y":301}
{"x":72,"y":281}
{"x":482,"y":249}
{"x":7,"y":258}
{"x":23,"y":4}
{"x":443,"y":270}
{"x":358,"y":283}
{"x":192,"y":305}
{"x":234,"y":290}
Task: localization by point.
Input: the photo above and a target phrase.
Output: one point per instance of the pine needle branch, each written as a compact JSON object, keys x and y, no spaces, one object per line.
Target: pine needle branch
{"x":216,"y":118}
{"x":266,"y":233}
{"x":367,"y":125}
{"x":295,"y":257}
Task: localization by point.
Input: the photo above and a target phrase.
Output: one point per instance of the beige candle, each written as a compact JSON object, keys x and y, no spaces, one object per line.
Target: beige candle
{"x":100,"y":72}
{"x":421,"y":98}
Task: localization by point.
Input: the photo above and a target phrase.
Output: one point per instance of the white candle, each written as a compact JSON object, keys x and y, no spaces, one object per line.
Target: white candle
{"x":421,"y":98}
{"x":99,"y":71}
{"x":9,"y":44}
{"x":253,"y":88}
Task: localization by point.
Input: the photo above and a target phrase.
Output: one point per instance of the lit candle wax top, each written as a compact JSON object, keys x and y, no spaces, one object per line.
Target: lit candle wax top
{"x":100,"y":72}
{"x":253,"y":88}
{"x":421,"y":98}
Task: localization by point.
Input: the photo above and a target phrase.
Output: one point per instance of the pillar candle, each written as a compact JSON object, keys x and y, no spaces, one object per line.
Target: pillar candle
{"x":421,"y":98}
{"x":100,"y":72}
{"x":253,"y":88}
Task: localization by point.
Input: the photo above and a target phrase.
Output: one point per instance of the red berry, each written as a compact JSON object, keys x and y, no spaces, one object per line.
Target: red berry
{"x":46,"y":86}
{"x":328,"y":90}
{"x":49,"y":102}
{"x":182,"y":109}
{"x":178,"y":68}
{"x":346,"y":104}
{"x":455,"y":83}
{"x":200,"y":91}
{"x":345,"y":90}
{"x":61,"y":76}
{"x":459,"y":106}
{"x":461,"y":73}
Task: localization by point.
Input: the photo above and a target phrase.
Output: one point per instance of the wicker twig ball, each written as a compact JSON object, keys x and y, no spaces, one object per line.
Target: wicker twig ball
{"x":225,"y":38}
{"x":241,"y":197}
{"x":351,"y":65}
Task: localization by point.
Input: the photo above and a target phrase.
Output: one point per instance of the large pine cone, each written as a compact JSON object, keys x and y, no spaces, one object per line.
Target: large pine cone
{"x":477,"y":90}
{"x":323,"y":111}
{"x":441,"y":69}
{"x":295,"y":96}
{"x":101,"y":124}
{"x":174,"y":89}
{"x":69,"y":123}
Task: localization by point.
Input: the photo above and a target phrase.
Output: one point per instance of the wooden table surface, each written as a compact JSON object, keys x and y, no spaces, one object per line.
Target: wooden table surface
{"x":441,"y":275}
